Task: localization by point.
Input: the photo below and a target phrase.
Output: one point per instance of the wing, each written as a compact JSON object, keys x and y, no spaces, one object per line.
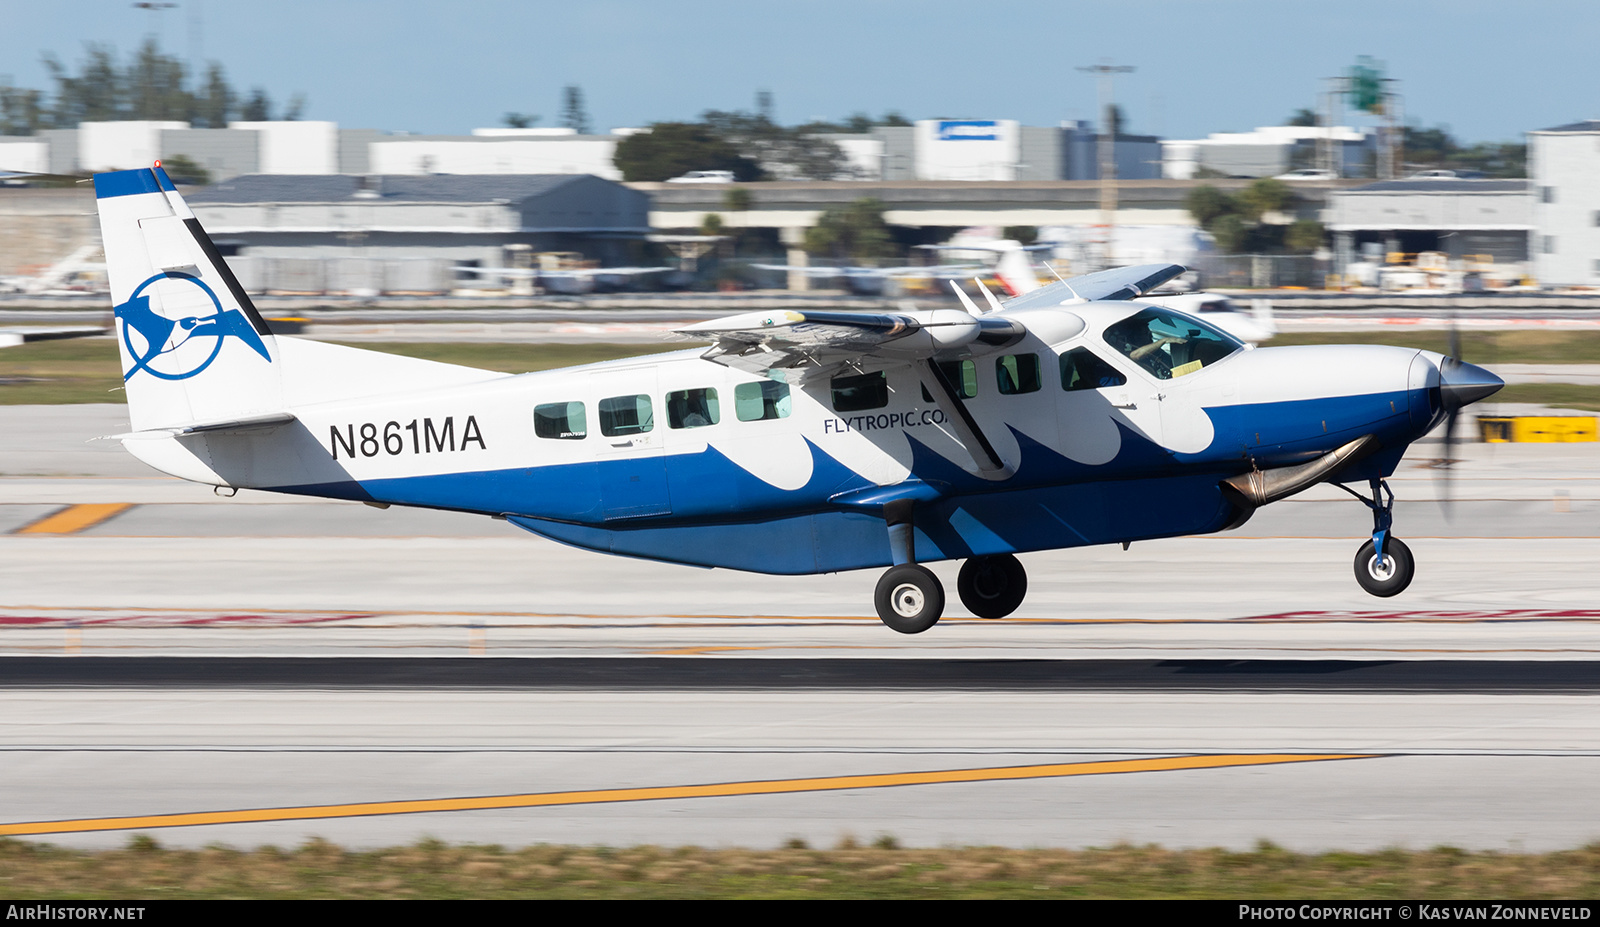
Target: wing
{"x":760,"y":341}
{"x":1119,"y":283}
{"x":821,"y":342}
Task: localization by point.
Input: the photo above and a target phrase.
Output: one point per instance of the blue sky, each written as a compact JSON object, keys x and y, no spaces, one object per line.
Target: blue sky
{"x":1490,"y":71}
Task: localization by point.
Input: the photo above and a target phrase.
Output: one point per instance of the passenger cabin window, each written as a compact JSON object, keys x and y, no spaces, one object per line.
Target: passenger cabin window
{"x":626,"y":415}
{"x":963,"y":375}
{"x":692,"y":408}
{"x":560,"y":420}
{"x":1017,"y":373}
{"x":856,"y":394}
{"x":757,"y":402}
{"x":1170,"y":344}
{"x":1082,"y":369}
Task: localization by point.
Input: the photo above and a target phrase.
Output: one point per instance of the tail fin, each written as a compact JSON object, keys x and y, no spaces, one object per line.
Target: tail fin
{"x":194,"y":348}
{"x":1014,"y":270}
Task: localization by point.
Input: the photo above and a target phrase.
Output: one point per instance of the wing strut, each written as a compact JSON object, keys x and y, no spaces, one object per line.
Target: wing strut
{"x":966,"y":429}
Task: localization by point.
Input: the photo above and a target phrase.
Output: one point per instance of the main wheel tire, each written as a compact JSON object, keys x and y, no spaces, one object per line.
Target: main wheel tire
{"x":992,"y":587}
{"x":1390,"y":577}
{"x":910,"y":598}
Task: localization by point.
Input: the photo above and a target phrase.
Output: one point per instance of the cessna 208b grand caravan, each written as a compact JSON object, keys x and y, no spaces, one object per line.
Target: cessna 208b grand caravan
{"x":799,"y":442}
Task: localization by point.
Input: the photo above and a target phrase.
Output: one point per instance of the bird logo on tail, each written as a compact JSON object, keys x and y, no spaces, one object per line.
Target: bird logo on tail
{"x":177,"y":349}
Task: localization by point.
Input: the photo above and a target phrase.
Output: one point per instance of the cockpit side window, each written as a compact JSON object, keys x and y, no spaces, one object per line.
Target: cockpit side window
{"x":1083,"y":369}
{"x":1170,"y":344}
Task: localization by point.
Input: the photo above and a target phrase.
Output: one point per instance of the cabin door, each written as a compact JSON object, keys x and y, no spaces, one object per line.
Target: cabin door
{"x":632,"y":466}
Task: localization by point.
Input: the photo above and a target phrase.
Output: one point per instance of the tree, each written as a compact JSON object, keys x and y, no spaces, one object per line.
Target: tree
{"x":856,"y":231}
{"x":670,"y":149}
{"x":1207,"y":204}
{"x":21,"y":110}
{"x":736,"y":199}
{"x":520,"y":120}
{"x":1235,"y":221}
{"x":218,"y":103}
{"x":1304,"y":237}
{"x":153,"y":85}
{"x":258,"y":108}
{"x":1302,"y":117}
{"x":183,"y":169}
{"x":573,"y":114}
{"x":785,"y":154}
{"x":1264,"y":196}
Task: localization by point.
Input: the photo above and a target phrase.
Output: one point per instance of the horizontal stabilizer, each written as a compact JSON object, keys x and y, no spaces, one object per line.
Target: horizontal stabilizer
{"x":243,"y":423}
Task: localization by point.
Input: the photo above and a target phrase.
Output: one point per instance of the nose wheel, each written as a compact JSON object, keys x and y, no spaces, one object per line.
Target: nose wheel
{"x":1389,"y":574}
{"x":1384,"y":565}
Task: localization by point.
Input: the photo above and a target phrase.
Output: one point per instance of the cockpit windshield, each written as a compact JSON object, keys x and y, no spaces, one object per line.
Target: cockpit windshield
{"x":1170,"y":344}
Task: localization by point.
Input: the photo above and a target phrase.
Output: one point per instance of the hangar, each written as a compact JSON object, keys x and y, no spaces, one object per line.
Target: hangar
{"x":320,"y":233}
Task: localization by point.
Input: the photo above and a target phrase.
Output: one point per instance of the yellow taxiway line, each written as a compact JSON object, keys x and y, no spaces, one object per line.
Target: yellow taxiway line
{"x":713,"y":790}
{"x":75,"y":518}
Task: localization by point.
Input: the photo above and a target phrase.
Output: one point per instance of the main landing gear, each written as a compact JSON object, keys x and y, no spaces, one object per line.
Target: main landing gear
{"x":1384,"y":565}
{"x":910,"y":598}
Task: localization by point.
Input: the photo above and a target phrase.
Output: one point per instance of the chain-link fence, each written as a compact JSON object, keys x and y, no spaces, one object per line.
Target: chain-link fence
{"x":357,"y":276}
{"x":1241,"y":271}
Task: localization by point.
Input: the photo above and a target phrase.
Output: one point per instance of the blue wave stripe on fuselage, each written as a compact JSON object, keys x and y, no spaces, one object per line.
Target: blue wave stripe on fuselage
{"x":1281,"y":433}
{"x":722,"y":515}
{"x":1017,"y":521}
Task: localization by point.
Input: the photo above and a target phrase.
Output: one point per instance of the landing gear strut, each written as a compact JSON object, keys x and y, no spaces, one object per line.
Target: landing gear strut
{"x":909,"y":598}
{"x":1384,"y":565}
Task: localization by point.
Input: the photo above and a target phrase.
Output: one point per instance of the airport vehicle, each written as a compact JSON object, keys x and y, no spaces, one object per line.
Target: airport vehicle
{"x":703,"y":177}
{"x":799,"y":442}
{"x":1308,"y":173}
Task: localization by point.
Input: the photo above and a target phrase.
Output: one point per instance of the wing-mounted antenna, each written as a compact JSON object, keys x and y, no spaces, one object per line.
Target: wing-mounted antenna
{"x":994,"y":304}
{"x":1064,"y":283}
{"x":965,"y":299}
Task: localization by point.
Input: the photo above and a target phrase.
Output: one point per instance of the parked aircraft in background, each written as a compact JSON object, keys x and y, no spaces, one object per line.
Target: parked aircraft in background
{"x":578,"y":281}
{"x":798,"y":442}
{"x":1011,"y":269}
{"x":1253,"y":327}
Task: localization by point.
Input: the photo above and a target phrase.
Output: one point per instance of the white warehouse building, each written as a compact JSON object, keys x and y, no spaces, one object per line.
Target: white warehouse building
{"x":1564,"y":163}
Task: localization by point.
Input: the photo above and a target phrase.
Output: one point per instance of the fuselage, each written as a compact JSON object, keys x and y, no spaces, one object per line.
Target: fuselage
{"x":676,"y":458}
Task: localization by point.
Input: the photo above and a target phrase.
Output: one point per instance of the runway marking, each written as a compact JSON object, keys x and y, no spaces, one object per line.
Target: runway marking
{"x":712,"y":790}
{"x":75,"y":518}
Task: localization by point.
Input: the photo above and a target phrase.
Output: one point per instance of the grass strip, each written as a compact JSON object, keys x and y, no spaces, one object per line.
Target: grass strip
{"x":88,"y":369}
{"x":1550,"y":346}
{"x":432,"y":869}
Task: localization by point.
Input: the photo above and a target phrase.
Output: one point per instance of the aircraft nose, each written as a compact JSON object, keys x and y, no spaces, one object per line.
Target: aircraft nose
{"x":1463,"y":384}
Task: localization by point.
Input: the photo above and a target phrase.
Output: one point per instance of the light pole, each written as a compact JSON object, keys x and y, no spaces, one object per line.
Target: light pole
{"x":1106,"y":73}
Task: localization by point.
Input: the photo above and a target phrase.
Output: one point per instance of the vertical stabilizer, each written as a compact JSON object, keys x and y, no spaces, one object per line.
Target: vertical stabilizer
{"x":193,"y":346}
{"x":1014,"y":270}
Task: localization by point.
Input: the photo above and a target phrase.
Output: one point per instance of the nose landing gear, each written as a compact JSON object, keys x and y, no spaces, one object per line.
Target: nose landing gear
{"x":1384,"y":565}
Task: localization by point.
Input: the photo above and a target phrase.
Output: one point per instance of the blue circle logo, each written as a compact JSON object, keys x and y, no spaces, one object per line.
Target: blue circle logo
{"x":186,"y":335}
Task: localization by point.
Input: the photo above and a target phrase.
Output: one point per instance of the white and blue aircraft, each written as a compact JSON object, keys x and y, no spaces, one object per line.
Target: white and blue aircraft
{"x":799,"y":442}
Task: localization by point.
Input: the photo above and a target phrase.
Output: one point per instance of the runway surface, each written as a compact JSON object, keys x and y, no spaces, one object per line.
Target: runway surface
{"x":284,"y":669}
